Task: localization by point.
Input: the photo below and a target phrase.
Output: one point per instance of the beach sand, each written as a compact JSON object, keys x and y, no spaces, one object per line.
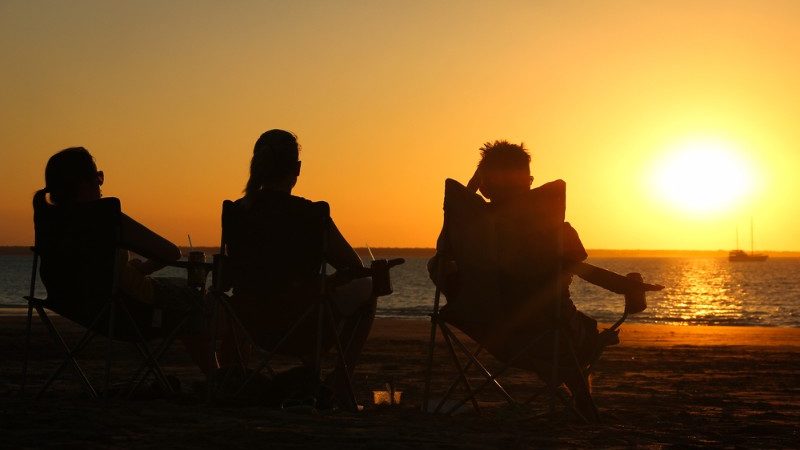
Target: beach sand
{"x":662,"y":386}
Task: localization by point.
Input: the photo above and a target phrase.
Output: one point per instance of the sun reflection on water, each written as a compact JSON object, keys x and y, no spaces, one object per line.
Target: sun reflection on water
{"x":708,"y":295}
{"x":702,"y":291}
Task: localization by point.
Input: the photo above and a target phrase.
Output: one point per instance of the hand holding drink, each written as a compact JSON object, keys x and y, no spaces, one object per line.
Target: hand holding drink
{"x":635,"y":301}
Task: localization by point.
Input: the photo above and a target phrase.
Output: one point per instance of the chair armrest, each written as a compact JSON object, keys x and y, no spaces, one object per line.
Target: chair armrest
{"x":620,"y":321}
{"x":379,"y":271}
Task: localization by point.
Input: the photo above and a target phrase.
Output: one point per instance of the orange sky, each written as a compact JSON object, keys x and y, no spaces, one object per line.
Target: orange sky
{"x":390,"y":98}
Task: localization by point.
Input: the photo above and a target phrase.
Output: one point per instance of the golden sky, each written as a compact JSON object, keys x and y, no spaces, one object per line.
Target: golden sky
{"x":390,"y":98}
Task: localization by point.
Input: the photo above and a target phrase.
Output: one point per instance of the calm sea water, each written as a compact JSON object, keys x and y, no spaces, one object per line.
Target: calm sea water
{"x":700,"y":291}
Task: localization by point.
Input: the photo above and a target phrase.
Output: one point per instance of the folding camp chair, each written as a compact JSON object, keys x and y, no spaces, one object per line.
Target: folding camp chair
{"x":501,"y":251}
{"x":253,"y":247}
{"x":76,"y":252}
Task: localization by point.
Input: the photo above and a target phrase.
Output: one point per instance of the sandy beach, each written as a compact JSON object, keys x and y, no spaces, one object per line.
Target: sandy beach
{"x":663,"y":386}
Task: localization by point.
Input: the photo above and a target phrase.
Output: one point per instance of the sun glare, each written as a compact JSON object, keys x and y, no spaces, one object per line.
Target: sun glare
{"x":702,"y":176}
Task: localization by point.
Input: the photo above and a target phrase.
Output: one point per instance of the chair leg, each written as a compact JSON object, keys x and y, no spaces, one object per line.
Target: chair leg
{"x":237,"y":343}
{"x":353,"y":334}
{"x":554,"y":372}
{"x":31,"y":296}
{"x":584,"y":382}
{"x":145,"y":353}
{"x":145,"y":369}
{"x":110,"y":355}
{"x":265,"y":363}
{"x":69,"y":354}
{"x":457,"y":379}
{"x":144,"y":350}
{"x":27,"y":349}
{"x":234,"y":323}
{"x":461,"y":375}
{"x":342,"y":360}
{"x":87,"y":337}
{"x":212,"y":344}
{"x":429,"y":369}
{"x":490,"y":378}
{"x":318,"y":348}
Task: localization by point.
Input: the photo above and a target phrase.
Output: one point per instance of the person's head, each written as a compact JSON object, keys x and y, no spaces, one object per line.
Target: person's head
{"x":275,"y":164}
{"x":71,"y":176}
{"x":504,"y":170}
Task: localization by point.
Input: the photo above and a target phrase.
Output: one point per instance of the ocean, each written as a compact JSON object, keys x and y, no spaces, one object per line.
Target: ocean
{"x":699,"y":291}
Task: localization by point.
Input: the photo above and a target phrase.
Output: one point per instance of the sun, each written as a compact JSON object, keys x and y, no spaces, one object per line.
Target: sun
{"x":702,"y":176}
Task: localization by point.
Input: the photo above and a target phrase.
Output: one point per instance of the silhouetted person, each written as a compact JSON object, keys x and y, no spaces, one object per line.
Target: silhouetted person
{"x":72,"y":180}
{"x":503,"y":176}
{"x":277,"y":248}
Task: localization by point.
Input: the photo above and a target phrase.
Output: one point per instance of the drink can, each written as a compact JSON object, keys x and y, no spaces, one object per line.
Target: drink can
{"x":196,"y":273}
{"x":381,"y":283}
{"x":635,"y":301}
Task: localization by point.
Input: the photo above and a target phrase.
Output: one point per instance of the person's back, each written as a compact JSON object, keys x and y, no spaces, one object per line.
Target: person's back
{"x":508,"y":300}
{"x":275,"y":240}
{"x":84,"y":241}
{"x":508,"y":252}
{"x":277,"y":243}
{"x":77,"y":246}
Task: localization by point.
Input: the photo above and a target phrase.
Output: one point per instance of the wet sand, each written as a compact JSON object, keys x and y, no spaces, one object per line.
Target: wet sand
{"x":662,"y":386}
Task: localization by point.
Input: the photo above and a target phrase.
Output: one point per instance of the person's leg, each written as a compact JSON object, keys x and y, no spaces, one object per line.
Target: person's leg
{"x":177,"y":299}
{"x":197,"y":346}
{"x":580,"y":387}
{"x":356,"y":306}
{"x":586,"y":343}
{"x":235,"y":349}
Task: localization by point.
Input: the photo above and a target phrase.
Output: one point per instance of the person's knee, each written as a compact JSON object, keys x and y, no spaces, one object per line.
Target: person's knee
{"x":354,"y":296}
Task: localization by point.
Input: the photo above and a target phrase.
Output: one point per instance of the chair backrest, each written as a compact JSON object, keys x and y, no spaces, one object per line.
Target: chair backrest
{"x":508,"y":255}
{"x":273,"y":242}
{"x":77,"y":245}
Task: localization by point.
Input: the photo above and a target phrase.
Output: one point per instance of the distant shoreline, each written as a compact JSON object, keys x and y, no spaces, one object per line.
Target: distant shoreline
{"x":422,"y":252}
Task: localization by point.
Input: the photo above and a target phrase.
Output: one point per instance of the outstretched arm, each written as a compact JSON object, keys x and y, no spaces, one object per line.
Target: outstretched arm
{"x":145,"y":242}
{"x":612,"y":281}
{"x":631,"y":286}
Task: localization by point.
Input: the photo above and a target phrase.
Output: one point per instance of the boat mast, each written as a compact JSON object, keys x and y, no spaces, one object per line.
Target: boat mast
{"x":751,"y":236}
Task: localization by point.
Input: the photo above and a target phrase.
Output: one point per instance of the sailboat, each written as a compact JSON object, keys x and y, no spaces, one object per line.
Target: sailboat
{"x":741,"y":256}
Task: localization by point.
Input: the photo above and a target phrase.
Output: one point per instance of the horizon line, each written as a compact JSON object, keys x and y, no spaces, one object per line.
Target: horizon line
{"x":25,"y":248}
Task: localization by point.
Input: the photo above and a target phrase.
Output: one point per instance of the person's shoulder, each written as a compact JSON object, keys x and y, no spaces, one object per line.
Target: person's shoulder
{"x":558,"y":185}
{"x":282,"y":201}
{"x":553,"y":191}
{"x":308,"y":207}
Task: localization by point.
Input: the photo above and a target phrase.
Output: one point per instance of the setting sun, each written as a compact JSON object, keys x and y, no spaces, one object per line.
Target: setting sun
{"x":703,"y":176}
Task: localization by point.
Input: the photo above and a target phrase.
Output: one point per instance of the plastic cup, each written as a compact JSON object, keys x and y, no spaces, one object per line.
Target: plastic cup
{"x":196,"y":273}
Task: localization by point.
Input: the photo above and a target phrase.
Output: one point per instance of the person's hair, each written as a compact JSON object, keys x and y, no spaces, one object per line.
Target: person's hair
{"x":64,"y":174}
{"x":503,"y":155}
{"x":275,"y":156}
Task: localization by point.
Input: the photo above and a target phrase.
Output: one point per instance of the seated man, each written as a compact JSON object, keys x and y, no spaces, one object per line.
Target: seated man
{"x":517,"y":264}
{"x":275,"y":243}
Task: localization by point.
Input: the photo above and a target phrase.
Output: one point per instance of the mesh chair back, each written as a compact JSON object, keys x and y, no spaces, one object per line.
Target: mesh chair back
{"x":275,"y":247}
{"x":274,"y":242}
{"x":508,"y":257}
{"x":78,"y":249}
